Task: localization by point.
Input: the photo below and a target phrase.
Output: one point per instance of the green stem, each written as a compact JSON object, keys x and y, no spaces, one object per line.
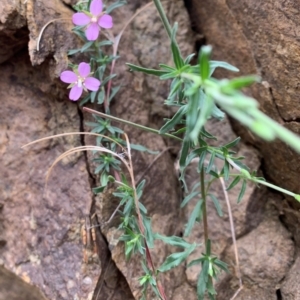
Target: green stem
{"x":253,"y":179}
{"x":274,"y":187}
{"x":131,"y":123}
{"x":163,"y":17}
{"x":204,"y":212}
{"x":287,"y":136}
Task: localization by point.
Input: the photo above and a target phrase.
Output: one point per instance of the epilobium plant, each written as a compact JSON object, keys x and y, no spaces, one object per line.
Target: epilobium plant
{"x":80,"y":80}
{"x":93,"y":20}
{"x":198,"y":97}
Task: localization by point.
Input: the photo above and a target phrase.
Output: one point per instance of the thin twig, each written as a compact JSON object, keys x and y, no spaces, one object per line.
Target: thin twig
{"x":72,"y":133}
{"x":238,"y":271}
{"x":236,"y":293}
{"x":204,"y":211}
{"x":42,"y":30}
{"x":92,"y":111}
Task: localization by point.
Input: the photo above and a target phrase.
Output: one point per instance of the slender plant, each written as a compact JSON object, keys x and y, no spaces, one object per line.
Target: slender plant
{"x":197,"y":96}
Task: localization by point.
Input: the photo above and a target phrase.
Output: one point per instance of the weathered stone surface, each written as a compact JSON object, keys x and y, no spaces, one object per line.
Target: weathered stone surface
{"x":12,"y":287}
{"x":290,"y":289}
{"x":13,"y":31}
{"x":40,"y":229}
{"x":41,"y":224}
{"x":40,"y":236}
{"x":265,"y":255}
{"x":261,"y":38}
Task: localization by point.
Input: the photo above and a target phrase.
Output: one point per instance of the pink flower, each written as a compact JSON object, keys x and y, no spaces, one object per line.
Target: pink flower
{"x":94,"y":19}
{"x":80,"y":80}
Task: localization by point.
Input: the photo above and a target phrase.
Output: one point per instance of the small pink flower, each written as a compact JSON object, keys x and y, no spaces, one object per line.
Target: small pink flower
{"x":80,"y":80}
{"x":94,"y":19}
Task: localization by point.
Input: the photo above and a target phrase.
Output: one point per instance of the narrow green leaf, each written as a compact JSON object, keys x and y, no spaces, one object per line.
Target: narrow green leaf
{"x":221,"y":64}
{"x":145,"y":70}
{"x":242,"y":192}
{"x":193,"y":217}
{"x":172,"y":240}
{"x":195,"y":262}
{"x":142,"y":149}
{"x":222,"y":265}
{"x":201,"y":160}
{"x":149,"y":233}
{"x":217,"y":113}
{"x":240,"y":164}
{"x":204,"y":56}
{"x":93,"y":96}
{"x":188,"y":58}
{"x":184,"y":152}
{"x":207,"y":134}
{"x":104,"y":43}
{"x":214,"y":174}
{"x":202,"y":280}
{"x":176,"y":259}
{"x":167,"y":68}
{"x":195,"y":153}
{"x":228,"y":87}
{"x":175,"y":85}
{"x":86,"y":46}
{"x":73,"y":51}
{"x":233,"y":143}
{"x":140,"y":188}
{"x":101,"y":96}
{"x":189,"y":197}
{"x":169,"y":75}
{"x":192,"y":111}
{"x":85,"y":99}
{"x":234,"y":182}
{"x":129,"y":206}
{"x":205,"y":113}
{"x":174,"y":121}
{"x":114,"y":91}
{"x":107,"y":79}
{"x":225,"y":170}
{"x":216,"y":204}
{"x":99,"y":189}
{"x":177,"y":58}
{"x":115,"y":5}
{"x":142,"y":208}
{"x":211,"y":162}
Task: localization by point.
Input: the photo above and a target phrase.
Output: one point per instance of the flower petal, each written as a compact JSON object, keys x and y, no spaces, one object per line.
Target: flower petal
{"x":92,"y":32}
{"x":84,"y":69}
{"x":92,"y":84}
{"x":105,"y":21}
{"x":81,"y":19}
{"x":68,"y":77}
{"x":96,"y":7}
{"x":75,"y":92}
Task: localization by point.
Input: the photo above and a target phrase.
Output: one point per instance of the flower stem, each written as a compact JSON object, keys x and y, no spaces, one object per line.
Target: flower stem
{"x":163,"y":17}
{"x":274,"y":187}
{"x":204,"y":212}
{"x":130,"y":123}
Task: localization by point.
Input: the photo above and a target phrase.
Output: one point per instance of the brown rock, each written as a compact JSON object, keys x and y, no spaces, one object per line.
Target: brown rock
{"x":265,"y":254}
{"x":290,"y":288}
{"x":13,"y":288}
